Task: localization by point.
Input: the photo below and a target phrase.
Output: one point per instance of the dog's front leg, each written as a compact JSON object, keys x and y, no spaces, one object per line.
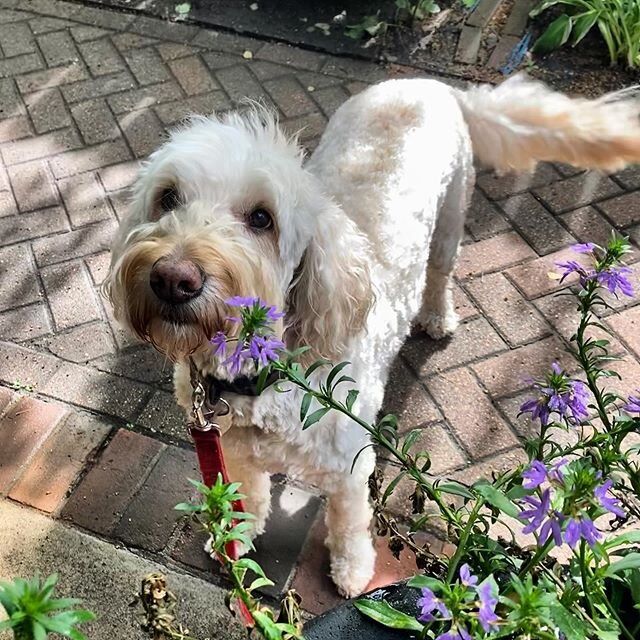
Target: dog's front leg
{"x":348,"y":519}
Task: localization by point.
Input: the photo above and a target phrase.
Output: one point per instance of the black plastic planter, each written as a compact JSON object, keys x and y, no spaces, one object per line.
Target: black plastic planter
{"x":345,"y":622}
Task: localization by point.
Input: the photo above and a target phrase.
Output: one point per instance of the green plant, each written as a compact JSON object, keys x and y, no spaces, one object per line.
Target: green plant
{"x":567,"y":495}
{"x":617,"y":20}
{"x":34,"y":613}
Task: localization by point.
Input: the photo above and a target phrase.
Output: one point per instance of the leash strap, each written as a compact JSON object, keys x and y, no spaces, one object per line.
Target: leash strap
{"x":206,"y":437}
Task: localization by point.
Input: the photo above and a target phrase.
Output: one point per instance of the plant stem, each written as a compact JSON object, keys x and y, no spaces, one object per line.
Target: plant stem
{"x":466,"y":532}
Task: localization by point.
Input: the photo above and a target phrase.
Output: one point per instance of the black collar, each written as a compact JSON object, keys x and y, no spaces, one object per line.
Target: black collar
{"x":243,"y":386}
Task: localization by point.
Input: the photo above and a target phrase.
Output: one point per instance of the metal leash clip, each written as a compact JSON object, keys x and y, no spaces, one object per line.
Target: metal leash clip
{"x":203,"y":413}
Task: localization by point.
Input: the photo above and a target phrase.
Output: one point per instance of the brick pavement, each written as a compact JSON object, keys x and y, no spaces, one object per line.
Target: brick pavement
{"x":90,"y":432}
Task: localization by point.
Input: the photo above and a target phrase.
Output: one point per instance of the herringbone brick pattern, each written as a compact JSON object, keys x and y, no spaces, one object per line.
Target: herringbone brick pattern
{"x":85,"y":95}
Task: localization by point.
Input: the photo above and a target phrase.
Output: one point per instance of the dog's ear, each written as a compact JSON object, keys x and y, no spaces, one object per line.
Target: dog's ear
{"x":331,"y":294}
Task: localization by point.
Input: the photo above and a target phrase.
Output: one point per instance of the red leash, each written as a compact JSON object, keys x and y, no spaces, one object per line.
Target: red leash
{"x":206,"y":437}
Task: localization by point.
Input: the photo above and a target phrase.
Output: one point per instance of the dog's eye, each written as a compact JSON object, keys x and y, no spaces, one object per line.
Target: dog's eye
{"x":169,"y":200}
{"x":260,"y":219}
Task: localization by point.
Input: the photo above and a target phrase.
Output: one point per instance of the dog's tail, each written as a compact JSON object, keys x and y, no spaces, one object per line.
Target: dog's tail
{"x":521,"y":122}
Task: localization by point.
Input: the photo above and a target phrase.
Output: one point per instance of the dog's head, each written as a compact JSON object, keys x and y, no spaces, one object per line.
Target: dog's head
{"x":223,"y":209}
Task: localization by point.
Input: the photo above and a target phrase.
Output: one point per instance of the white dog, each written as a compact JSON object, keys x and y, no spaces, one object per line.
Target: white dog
{"x":355,"y":246}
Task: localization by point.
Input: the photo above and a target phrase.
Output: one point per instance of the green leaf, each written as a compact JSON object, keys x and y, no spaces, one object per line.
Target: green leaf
{"x":410,"y":440}
{"x":455,"y":489}
{"x":630,"y":561}
{"x":392,"y":485}
{"x":581,"y":26}
{"x":252,"y":565}
{"x":335,"y":371}
{"x":420,"y":582}
{"x":385,"y":614}
{"x":39,"y":632}
{"x":555,"y":36}
{"x":630,"y":537}
{"x":543,"y":6}
{"x":260,"y":582}
{"x":304,"y":406}
{"x":316,"y":416}
{"x":352,"y":396}
{"x":571,"y":626}
{"x":262,"y":379}
{"x":266,"y":625}
{"x":496,"y":498}
{"x":323,"y":362}
{"x":189,"y":508}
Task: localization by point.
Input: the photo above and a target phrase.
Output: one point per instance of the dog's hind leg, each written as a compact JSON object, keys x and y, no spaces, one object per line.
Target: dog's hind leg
{"x":437,"y":315}
{"x":348,"y":519}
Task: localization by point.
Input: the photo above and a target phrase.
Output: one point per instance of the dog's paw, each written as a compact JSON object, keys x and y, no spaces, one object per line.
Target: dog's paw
{"x":241,"y":548}
{"x":353,"y":569}
{"x":439,"y":326}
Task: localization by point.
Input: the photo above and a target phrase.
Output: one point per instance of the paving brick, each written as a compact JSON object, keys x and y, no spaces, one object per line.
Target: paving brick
{"x":141,"y":363}
{"x":42,"y":146}
{"x":577,"y":191}
{"x":57,"y":48}
{"x":120,"y":201}
{"x":24,"y":323}
{"x":84,"y":200}
{"x":627,"y":325}
{"x":541,"y":230}
{"x":588,"y":225}
{"x":98,"y":87}
{"x":48,"y":7}
{"x":70,"y":295}
{"x":217,"y":60}
{"x":628,"y":382}
{"x":74,"y":244}
{"x":83,"y":343}
{"x":82,"y":33}
{"x":293,"y":510}
{"x":101,"y":498}
{"x":47,"y":110}
{"x":25,"y":365}
{"x":163,"y":415}
{"x":484,"y":219}
{"x":95,"y":121}
{"x":22,"y":430}
{"x":510,"y":371}
{"x":475,"y":421}
{"x":538,"y":277}
{"x":173,"y":112}
{"x":329,"y":99}
{"x":468,"y":44}
{"x":173,"y":51}
{"x":89,"y":158}
{"x":45,"y":25}
{"x":471,"y":340}
{"x":119,"y":176}
{"x":127,"y":41}
{"x":150,"y":517}
{"x":14,"y":129}
{"x":239,"y":84}
{"x":498,"y":187}
{"x":162,"y":29}
{"x":143,"y":130}
{"x":7,"y":398}
{"x":506,"y":461}
{"x":8,"y":206}
{"x":19,"y":65}
{"x":98,"y":391}
{"x":482,"y":13}
{"x":623,"y":210}
{"x":10,"y":102}
{"x":501,"y":52}
{"x":406,"y":397}
{"x":519,"y":17}
{"x":309,"y":127}
{"x":98,"y":17}
{"x":16,"y":39}
{"x":354,"y":69}
{"x":32,"y":225}
{"x":147,"y":66}
{"x":227,"y":42}
{"x":101,"y":57}
{"x":145,"y":97}
{"x":192,"y":75}
{"x":98,"y":266}
{"x":463,"y":305}
{"x":52,"y":471}
{"x":516,"y":320}
{"x":629,"y":178}
{"x":492,"y":254}
{"x":41,"y":80}
{"x":290,"y":97}
{"x":291,"y":56}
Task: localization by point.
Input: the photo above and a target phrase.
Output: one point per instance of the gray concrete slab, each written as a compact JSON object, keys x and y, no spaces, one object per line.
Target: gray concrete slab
{"x":104,"y":576}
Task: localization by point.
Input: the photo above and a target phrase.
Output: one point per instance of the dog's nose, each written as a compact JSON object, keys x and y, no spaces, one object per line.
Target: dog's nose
{"x":176,"y":281}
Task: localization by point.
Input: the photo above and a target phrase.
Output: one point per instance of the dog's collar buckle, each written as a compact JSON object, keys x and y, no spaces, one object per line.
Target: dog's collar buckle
{"x":206,"y":404}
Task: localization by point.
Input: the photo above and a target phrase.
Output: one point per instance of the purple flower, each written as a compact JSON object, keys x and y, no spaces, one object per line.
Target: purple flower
{"x":581,"y":528}
{"x":571,"y":266}
{"x":633,"y":405}
{"x":243,"y":301}
{"x":466,"y":577}
{"x":455,"y":633}
{"x":263,"y":349}
{"x":614,"y":278}
{"x":607,"y":501}
{"x":535,"y":475}
{"x":551,"y":528}
{"x":572,"y":533}
{"x":428,"y":604}
{"x":538,"y":511}
{"x":587,"y":247}
{"x":219,"y":341}
{"x":236,"y":359}
{"x":555,"y":472}
{"x":488,"y":601}
{"x":538,"y":408}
